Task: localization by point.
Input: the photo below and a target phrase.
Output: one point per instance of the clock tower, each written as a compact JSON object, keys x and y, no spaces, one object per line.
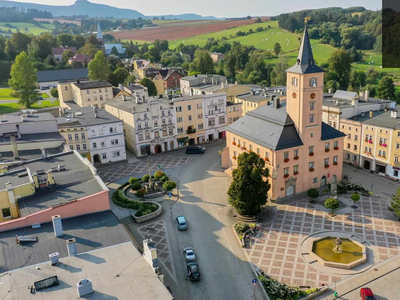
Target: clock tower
{"x":305,"y":93}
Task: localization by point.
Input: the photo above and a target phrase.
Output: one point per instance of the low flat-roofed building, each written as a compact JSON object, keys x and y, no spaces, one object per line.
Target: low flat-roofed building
{"x":66,"y":184}
{"x":188,"y":83}
{"x":51,"y":78}
{"x":257,"y":98}
{"x":100,"y":249}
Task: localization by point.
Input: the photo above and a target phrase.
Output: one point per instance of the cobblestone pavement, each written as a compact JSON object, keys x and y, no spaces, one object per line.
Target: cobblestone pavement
{"x":156,"y":231}
{"x":276,"y":248}
{"x":113,"y":173}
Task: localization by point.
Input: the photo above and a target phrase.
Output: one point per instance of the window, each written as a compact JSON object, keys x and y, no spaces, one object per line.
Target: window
{"x":211,"y":122}
{"x":162,"y":114}
{"x":145,"y":115}
{"x":140,"y":136}
{"x":396,"y":158}
{"x":397,"y":146}
{"x":104,"y":155}
{"x":334,"y":124}
{"x":66,"y":88}
{"x":356,"y":137}
{"x":312,"y":105}
{"x":83,"y":135}
{"x":199,"y":105}
{"x":311,"y":118}
{"x":398,"y":133}
{"x":146,"y":124}
{"x":221,"y":120}
{"x":326,"y":146}
{"x":189,"y":107}
{"x":155,"y":123}
{"x":335,"y":144}
{"x":71,"y":147}
{"x":76,"y":136}
{"x":266,"y":154}
{"x":296,"y":169}
{"x":234,"y":139}
{"x":349,"y":136}
{"x":87,"y":92}
{"x":230,"y":120}
{"x":179,"y":108}
{"x":296,"y":153}
{"x":311,"y":149}
{"x":354,"y":157}
{"x":311,"y":165}
{"x":169,"y":120}
{"x":199,"y":116}
{"x":116,"y":153}
{"x":286,"y":171}
{"x":312,"y":135}
{"x":88,"y":99}
{"x":95,"y":98}
{"x":163,"y":121}
{"x":355,"y":148}
{"x":69,"y":137}
{"x":139,"y":126}
{"x":101,"y":98}
{"x":147,"y":135}
{"x":313,"y":82}
{"x":164,"y":132}
{"x":190,"y":118}
{"x":171,"y":131}
{"x":326,"y":161}
{"x":348,"y":146}
{"x":335,"y":159}
{"x":101,"y":131}
{"x":6,"y":212}
{"x":156,"y":134}
{"x":78,"y":147}
{"x":258,"y":151}
{"x":94,"y":145}
{"x":180,"y":130}
{"x":347,"y":155}
{"x":180,"y":119}
{"x":315,"y":179}
{"x":84,"y":146}
{"x":244,"y":144}
{"x":99,"y":90}
{"x":103,"y":144}
{"x":200,"y":126}
{"x":395,"y":173}
{"x":286,"y":155}
{"x":294,"y":81}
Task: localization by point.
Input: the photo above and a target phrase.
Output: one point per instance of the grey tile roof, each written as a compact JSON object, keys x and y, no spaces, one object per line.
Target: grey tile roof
{"x":92,"y":85}
{"x":91,"y":232}
{"x":305,"y":61}
{"x":329,"y":133}
{"x":262,"y":96}
{"x":85,"y":116}
{"x":29,"y":154}
{"x":62,"y":75}
{"x":346,"y":95}
{"x":384,"y":120}
{"x":129,"y":103}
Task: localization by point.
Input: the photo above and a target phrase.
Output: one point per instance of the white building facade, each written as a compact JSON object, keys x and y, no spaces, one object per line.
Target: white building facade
{"x":215,"y":118}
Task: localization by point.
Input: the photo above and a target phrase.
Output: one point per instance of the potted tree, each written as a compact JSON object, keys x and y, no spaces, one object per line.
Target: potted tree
{"x":331,"y":204}
{"x":313,"y":194}
{"x":355,"y":197}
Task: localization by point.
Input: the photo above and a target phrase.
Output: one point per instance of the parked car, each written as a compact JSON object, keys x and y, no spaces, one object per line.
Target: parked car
{"x":189,"y":254}
{"x":181,"y":223}
{"x":367,"y":294}
{"x":193,"y":271}
{"x":195,"y":150}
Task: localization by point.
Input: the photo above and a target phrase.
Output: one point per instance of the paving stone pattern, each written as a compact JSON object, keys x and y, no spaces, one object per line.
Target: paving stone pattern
{"x":276,"y":248}
{"x":113,"y":173}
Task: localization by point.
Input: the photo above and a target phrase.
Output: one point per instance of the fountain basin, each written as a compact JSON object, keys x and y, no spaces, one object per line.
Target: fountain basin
{"x":351,"y":254}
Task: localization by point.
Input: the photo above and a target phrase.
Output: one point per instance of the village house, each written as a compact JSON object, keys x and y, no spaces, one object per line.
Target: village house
{"x":216,"y":57}
{"x":167,"y":80}
{"x":59,"y":51}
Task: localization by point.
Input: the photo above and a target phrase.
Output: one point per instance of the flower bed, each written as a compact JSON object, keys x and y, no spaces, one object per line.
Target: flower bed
{"x":241,"y":228}
{"x":345,"y":185}
{"x":282,"y":291}
{"x":142,"y":208}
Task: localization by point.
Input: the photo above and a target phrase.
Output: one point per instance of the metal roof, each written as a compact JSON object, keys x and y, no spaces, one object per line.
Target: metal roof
{"x":85,"y":116}
{"x":92,"y":85}
{"x":345,"y":95}
{"x":62,"y":75}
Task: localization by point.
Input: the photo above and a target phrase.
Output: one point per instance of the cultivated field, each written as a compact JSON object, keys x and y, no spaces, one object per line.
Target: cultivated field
{"x":62,"y":21}
{"x":25,"y":28}
{"x":178,"y":32}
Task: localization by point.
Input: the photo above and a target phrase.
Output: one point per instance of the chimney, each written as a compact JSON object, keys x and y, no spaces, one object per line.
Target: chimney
{"x":330,"y":90}
{"x":366,"y":95}
{"x":354,"y":103}
{"x":71,"y":245}
{"x":57,"y":225}
{"x":14,"y":146}
{"x":120,"y":86}
{"x":84,"y":287}
{"x":371,"y":113}
{"x":18,"y":131}
{"x":96,"y":114}
{"x":137,"y":98}
{"x":50,"y":178}
{"x":393,"y":114}
{"x":43,"y":152}
{"x":54,"y":258}
{"x":277,"y":102}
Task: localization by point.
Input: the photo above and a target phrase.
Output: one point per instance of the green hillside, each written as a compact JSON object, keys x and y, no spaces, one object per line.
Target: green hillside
{"x":25,"y":28}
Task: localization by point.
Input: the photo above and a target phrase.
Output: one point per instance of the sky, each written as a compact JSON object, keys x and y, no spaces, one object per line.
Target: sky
{"x":222,"y":8}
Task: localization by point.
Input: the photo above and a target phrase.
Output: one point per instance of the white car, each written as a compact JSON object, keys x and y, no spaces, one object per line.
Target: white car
{"x":189,"y":254}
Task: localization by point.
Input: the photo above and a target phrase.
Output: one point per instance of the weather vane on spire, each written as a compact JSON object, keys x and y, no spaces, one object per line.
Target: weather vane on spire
{"x":306,"y":19}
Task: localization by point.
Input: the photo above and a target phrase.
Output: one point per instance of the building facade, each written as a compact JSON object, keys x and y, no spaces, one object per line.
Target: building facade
{"x":149,"y":126}
{"x":301,"y":151}
{"x":189,"y":83}
{"x":215,"y":118}
{"x":233,"y":112}
{"x":257,"y":98}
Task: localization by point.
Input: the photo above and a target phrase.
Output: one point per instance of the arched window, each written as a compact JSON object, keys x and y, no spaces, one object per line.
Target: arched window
{"x":313,"y":82}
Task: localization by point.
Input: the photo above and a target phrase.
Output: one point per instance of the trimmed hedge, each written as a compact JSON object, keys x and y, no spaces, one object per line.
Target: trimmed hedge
{"x":158,"y":175}
{"x":136,"y":186}
{"x":146,"y":178}
{"x":142,"y":208}
{"x":164,"y":178}
{"x":133,"y":180}
{"x":169,"y":185}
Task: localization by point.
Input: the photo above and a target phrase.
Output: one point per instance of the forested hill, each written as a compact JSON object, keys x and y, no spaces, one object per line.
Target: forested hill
{"x":14,"y":14}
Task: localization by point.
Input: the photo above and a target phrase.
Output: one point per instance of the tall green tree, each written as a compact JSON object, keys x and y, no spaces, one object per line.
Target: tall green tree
{"x":23,"y":80}
{"x":339,"y":68}
{"x":277,"y":49}
{"x":230,"y":66}
{"x":99,"y":69}
{"x":150,"y":85}
{"x":202,"y":62}
{"x":114,"y":51}
{"x":386,"y":88}
{"x":280,"y":71}
{"x":395,"y":202}
{"x":10,"y":49}
{"x":65,"y":40}
{"x":118,"y":76}
{"x":249,"y":188}
{"x":67,"y":54}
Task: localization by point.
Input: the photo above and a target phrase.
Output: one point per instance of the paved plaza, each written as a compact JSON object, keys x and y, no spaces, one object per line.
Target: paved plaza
{"x":276,"y":248}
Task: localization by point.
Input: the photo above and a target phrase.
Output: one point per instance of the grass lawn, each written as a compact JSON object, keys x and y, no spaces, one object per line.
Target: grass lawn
{"x":7,"y":108}
{"x":5,"y":94}
{"x":31,"y":28}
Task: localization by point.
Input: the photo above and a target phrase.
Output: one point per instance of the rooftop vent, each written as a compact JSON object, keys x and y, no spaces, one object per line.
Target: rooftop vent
{"x":71,"y":245}
{"x":57,"y":225}
{"x":84,"y":287}
{"x":25,"y":239}
{"x":54,"y":258}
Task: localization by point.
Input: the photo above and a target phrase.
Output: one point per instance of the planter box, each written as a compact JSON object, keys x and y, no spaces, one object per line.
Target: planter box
{"x":241,"y":242}
{"x":148,"y":216}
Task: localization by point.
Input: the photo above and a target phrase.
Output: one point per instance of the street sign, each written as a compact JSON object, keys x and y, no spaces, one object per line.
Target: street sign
{"x":254,"y":281}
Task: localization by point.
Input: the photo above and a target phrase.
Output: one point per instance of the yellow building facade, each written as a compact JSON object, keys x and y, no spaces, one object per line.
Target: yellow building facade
{"x":352,"y":141}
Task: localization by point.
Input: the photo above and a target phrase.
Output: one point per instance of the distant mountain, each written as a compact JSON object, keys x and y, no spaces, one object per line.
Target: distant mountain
{"x":93,"y":10}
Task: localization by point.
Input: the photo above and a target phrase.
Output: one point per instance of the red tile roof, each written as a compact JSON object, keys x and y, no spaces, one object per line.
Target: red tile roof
{"x":60,"y":50}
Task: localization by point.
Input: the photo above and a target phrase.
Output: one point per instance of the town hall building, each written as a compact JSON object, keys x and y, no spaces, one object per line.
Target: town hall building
{"x":300,"y":151}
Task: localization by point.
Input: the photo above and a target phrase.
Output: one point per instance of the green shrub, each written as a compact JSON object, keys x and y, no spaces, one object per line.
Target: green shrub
{"x":133,"y":179}
{"x":169,"y":185}
{"x":141,"y":193}
{"x":158,"y":175}
{"x":146,"y":178}
{"x":136,"y":186}
{"x":241,"y":227}
{"x":331,"y":204}
{"x":164,"y":178}
{"x":120,"y":200}
{"x":277,"y":290}
{"x":355,"y":197}
{"x":313,"y":193}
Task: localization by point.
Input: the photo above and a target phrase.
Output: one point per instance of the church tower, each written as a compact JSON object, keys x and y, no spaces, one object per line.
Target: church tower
{"x":305,"y":82}
{"x":100,"y":35}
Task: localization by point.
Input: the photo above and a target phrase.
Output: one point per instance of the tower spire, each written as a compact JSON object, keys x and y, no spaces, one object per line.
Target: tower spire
{"x":99,"y":32}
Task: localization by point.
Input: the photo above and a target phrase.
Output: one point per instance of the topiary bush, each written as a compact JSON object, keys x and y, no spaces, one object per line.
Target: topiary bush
{"x":146,"y":178}
{"x":169,"y":185}
{"x":133,"y":179}
{"x":355,"y":197}
{"x":164,"y":178}
{"x":158,"y":175}
{"x":331,"y":204}
{"x":313,"y":193}
{"x":120,"y":200}
{"x":136,"y":186}
{"x":141,"y":192}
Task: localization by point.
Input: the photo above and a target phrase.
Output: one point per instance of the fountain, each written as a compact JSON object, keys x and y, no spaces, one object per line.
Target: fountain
{"x":337,"y":242}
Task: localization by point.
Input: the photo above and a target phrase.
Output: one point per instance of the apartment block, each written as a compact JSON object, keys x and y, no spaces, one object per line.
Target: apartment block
{"x":234,"y":112}
{"x":189,"y":84}
{"x":257,"y":98}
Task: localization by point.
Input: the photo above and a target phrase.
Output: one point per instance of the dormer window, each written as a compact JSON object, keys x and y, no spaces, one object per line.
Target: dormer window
{"x":313,"y":82}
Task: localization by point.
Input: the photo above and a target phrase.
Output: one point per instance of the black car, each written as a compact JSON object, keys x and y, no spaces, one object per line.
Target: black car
{"x":193,"y":271}
{"x":195,"y":150}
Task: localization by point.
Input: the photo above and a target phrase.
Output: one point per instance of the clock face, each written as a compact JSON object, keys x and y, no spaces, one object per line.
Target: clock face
{"x":294,"y":95}
{"x":312,"y":96}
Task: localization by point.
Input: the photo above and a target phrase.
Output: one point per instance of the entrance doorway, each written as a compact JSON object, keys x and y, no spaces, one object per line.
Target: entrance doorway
{"x":381,"y":168}
{"x":165,"y":146}
{"x":171,"y":145}
{"x":192,"y":142}
{"x":210,"y":137}
{"x":221,"y":135}
{"x":367,"y":165}
{"x":290,"y":190}
{"x":323,"y":181}
{"x":157,"y":149}
{"x":96,"y":159}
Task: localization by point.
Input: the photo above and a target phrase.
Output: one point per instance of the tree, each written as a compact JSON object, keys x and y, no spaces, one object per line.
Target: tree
{"x":130,"y":79}
{"x":89,"y":50}
{"x":386,"y":88}
{"x":54,"y":92}
{"x":10,"y":49}
{"x":114,"y":51}
{"x":277,"y":49}
{"x":313,"y":193}
{"x":78,"y":42}
{"x":99,"y":69}
{"x":230,"y":66}
{"x":20,"y":41}
{"x":76,"y":65}
{"x":23,"y":80}
{"x":92,"y":40}
{"x":118,"y":76}
{"x":355,"y":197}
{"x":169,"y":185}
{"x":249,"y":188}
{"x":202,"y":62}
{"x":339,"y":68}
{"x":65,"y":40}
{"x":149,"y":84}
{"x":46,"y":42}
{"x":258,"y":20}
{"x":395,"y":203}
{"x":331,"y":204}
{"x":280,"y":71}
{"x":67,"y":55}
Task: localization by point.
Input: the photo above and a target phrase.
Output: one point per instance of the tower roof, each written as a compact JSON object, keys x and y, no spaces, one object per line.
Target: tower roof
{"x":305,"y":61}
{"x":99,"y":33}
